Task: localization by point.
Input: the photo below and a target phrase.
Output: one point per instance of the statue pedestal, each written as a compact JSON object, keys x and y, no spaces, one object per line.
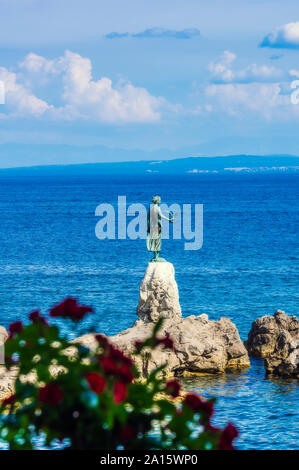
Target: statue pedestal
{"x":158,"y":293}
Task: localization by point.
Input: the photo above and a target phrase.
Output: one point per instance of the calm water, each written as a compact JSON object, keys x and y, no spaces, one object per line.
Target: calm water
{"x":246,"y":268}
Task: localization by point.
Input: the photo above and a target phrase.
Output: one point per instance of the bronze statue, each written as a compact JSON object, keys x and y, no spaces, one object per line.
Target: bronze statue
{"x":154,"y":228}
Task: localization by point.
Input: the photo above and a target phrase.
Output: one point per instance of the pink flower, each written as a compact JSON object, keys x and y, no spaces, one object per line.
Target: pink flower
{"x":119,"y":391}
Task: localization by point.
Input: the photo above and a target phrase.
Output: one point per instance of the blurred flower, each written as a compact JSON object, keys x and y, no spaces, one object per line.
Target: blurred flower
{"x":127,"y":433}
{"x":108,"y":365}
{"x":15,"y":328}
{"x":125,"y":374}
{"x":138,"y":345}
{"x":36,"y":317}
{"x":118,"y":355}
{"x":70,"y":308}
{"x":211,"y":428}
{"x":51,"y":394}
{"x":227,"y":436}
{"x":197,"y":404}
{"x":96,"y":382}
{"x":119,"y":392}
{"x":166,"y":342}
{"x":173,"y":388}
{"x":102,"y":340}
{"x":9,"y":400}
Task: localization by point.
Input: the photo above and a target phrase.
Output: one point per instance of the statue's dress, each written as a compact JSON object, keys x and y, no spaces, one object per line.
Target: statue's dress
{"x":154,"y":232}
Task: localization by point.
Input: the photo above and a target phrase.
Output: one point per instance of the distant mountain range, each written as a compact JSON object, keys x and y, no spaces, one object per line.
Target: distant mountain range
{"x":234,"y":164}
{"x":238,"y":164}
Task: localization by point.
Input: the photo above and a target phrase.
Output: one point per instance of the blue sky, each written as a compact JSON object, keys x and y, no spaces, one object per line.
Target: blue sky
{"x":192,"y":77}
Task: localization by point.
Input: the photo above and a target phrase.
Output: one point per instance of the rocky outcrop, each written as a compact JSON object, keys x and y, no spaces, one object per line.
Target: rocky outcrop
{"x":276,"y":340}
{"x":284,"y":361}
{"x":158,"y":294}
{"x":3,"y":335}
{"x":200,"y":346}
{"x":262,"y":338}
{"x":7,"y":380}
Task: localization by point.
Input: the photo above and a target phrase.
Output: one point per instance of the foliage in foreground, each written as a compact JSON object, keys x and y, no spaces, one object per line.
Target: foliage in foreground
{"x":95,"y":400}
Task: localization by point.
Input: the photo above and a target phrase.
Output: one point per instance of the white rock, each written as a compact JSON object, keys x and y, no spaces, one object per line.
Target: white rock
{"x":3,"y":335}
{"x":158,"y":293}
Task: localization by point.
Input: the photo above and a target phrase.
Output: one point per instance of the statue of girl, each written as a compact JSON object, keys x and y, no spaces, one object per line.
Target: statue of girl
{"x":154,"y":228}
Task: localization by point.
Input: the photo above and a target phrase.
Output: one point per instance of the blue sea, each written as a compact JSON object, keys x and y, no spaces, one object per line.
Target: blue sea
{"x":246,"y":268}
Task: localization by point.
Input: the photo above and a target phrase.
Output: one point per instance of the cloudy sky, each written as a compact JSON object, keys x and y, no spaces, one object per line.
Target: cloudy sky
{"x":202,"y":77}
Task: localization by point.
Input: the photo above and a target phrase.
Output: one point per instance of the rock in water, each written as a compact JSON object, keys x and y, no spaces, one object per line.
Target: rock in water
{"x":200,"y":345}
{"x":262,"y":338}
{"x":6,"y":378}
{"x":3,"y":335}
{"x":158,"y":294}
{"x":284,"y":361}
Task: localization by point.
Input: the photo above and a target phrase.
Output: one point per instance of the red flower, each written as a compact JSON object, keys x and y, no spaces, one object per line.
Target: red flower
{"x":36,"y":317}
{"x":173,"y":388}
{"x":71,"y":309}
{"x":15,"y":328}
{"x":96,"y":382}
{"x":208,"y":407}
{"x":118,"y":355}
{"x":193,"y":401}
{"x":108,"y":365}
{"x":120,"y":392}
{"x":9,"y":400}
{"x":227,"y":436}
{"x":211,"y":428}
{"x":127,"y":433}
{"x":125,"y":374}
{"x":197,"y":404}
{"x":51,"y":394}
{"x":138,"y":345}
{"x":167,"y":342}
{"x":102,"y":340}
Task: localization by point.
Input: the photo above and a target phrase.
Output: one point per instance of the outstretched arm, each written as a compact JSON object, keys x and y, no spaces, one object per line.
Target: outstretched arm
{"x":163,"y":216}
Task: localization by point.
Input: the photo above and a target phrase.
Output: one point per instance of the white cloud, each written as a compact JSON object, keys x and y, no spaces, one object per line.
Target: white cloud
{"x":100,"y":99}
{"x":81,"y":96}
{"x":222,"y":72}
{"x":270,"y":101}
{"x":18,"y":99}
{"x":284,"y":37}
{"x":34,"y":63}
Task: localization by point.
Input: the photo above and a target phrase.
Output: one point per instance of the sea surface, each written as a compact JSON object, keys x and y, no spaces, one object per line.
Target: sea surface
{"x":246,"y":268}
